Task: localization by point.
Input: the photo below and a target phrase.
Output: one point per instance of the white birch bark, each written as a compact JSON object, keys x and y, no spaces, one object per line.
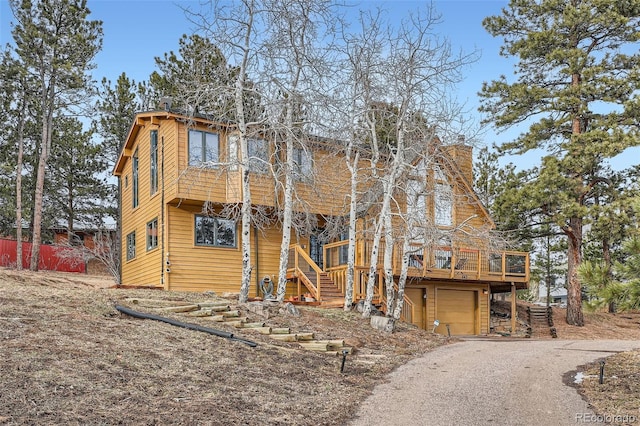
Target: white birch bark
{"x":244,"y":158}
{"x":287,"y":213}
{"x":387,"y":262}
{"x":353,"y":205}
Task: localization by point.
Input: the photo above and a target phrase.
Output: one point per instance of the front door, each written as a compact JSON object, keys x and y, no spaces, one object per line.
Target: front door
{"x":316,"y":249}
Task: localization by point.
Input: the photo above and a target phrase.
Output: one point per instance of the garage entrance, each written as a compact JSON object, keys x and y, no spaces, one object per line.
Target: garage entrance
{"x":458,"y":308}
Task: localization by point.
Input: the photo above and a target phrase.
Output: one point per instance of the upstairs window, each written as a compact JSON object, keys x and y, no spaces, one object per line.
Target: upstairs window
{"x":302,"y":164}
{"x":258,"y":153}
{"x":134,"y":178}
{"x":416,"y":202}
{"x":443,"y":199}
{"x":153,"y":162}
{"x":204,"y":148}
{"x":215,"y":232}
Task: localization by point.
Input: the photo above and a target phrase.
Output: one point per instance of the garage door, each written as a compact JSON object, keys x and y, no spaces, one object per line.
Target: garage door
{"x":458,"y":309}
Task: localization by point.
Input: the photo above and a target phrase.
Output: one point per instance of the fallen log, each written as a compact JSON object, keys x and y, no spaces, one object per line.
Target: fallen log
{"x":304,"y":336}
{"x":333,"y":345}
{"x":186,"y":325}
{"x":182,"y":308}
{"x":216,"y":318}
{"x":200,"y":313}
{"x":230,"y":313}
{"x":235,"y":319}
{"x":253,"y":325}
{"x":315,"y":345}
{"x":221,"y":308}
{"x":284,"y":337}
{"x":284,"y":330}
{"x":261,"y":330}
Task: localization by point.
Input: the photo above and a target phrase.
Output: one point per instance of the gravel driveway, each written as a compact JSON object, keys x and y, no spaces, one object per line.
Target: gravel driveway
{"x":488,"y":382}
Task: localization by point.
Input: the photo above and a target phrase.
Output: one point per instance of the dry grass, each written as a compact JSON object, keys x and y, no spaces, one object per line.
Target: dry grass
{"x":617,"y":399}
{"x":68,"y":357}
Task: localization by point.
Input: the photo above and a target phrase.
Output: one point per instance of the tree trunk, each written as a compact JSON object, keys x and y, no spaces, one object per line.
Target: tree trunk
{"x":574,"y":258}
{"x":37,"y":208}
{"x":388,"y":263}
{"x":606,"y":256}
{"x":19,"y":189}
{"x":351,"y":255}
{"x":287,"y":216}
{"x":45,"y":149}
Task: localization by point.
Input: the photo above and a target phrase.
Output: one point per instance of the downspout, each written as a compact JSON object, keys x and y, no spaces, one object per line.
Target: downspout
{"x":257,"y":274}
{"x":119,"y":231}
{"x":162,"y":207}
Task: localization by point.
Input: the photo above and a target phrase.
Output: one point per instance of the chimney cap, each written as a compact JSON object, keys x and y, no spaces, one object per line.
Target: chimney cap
{"x":165,"y":103}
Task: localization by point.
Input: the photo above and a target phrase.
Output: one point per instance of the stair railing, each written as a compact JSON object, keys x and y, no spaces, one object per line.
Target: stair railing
{"x":305,"y":269}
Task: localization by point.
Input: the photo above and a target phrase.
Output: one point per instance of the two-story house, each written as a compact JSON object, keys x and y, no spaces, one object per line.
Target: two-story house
{"x":178,"y":174}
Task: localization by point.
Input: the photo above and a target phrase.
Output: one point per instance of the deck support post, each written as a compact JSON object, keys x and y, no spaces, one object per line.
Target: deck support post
{"x":514,"y":309}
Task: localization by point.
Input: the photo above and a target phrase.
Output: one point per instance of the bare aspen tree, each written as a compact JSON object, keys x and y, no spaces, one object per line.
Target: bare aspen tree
{"x":418,"y":70}
{"x":233,"y":28}
{"x":292,"y":61}
{"x":361,"y":51}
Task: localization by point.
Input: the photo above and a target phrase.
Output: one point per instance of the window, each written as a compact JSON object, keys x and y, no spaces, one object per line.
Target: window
{"x":215,"y":232}
{"x":152,"y":234}
{"x":258,"y":153}
{"x":416,"y":204}
{"x":443,"y":200}
{"x":134,"y":179}
{"x":203,"y":148}
{"x":131,"y":245}
{"x":302,"y":163}
{"x":232,"y":146}
{"x":153,"y":162}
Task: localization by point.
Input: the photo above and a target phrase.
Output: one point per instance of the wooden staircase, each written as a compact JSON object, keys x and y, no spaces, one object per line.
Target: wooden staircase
{"x":303,"y":270}
{"x":541,"y":321}
{"x":331,"y":294}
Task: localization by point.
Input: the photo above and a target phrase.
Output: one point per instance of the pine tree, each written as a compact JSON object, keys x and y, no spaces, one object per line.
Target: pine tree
{"x":74,"y":168}
{"x":576,"y":89}
{"x":55,"y":44}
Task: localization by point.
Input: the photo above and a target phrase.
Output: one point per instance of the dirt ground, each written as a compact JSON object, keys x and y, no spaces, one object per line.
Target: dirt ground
{"x":67,"y":356}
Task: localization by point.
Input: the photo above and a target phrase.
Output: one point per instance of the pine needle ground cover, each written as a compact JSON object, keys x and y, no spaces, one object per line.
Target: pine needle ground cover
{"x":617,"y":400}
{"x":67,"y":356}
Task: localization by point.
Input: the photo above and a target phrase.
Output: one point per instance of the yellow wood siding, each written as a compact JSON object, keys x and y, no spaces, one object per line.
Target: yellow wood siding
{"x":482,"y":304}
{"x":198,"y":268}
{"x":168,"y":138}
{"x":146,"y":267}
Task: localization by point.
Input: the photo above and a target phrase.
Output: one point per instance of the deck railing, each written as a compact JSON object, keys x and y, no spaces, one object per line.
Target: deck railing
{"x":446,"y":262}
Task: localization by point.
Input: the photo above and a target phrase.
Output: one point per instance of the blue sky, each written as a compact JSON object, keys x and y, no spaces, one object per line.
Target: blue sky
{"x":136,"y":31}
